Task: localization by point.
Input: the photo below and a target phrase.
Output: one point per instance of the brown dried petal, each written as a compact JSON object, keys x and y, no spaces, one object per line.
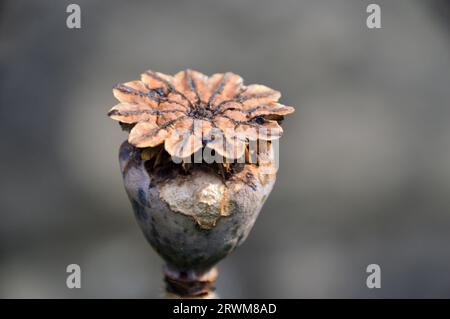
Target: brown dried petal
{"x":247,"y":131}
{"x":200,"y":83}
{"x":184,"y":82}
{"x":224,"y":123}
{"x":270,"y":111}
{"x":274,"y":109}
{"x":134,"y":92}
{"x":257,"y":94}
{"x":175,"y":104}
{"x":148,"y":134}
{"x":166,"y":117}
{"x":236,"y":115}
{"x":224,"y":87}
{"x":184,"y":147}
{"x":156,"y":80}
{"x":228,"y":147}
{"x":269,"y":131}
{"x":184,"y":125}
{"x":233,"y":128}
{"x":183,"y":141}
{"x":132,"y":113}
{"x":207,"y":129}
{"x":160,"y":81}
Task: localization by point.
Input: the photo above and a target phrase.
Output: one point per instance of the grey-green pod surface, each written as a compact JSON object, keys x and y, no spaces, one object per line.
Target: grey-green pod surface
{"x":193,"y":219}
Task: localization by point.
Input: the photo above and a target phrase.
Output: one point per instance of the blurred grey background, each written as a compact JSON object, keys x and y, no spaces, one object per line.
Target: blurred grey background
{"x":365,"y":161}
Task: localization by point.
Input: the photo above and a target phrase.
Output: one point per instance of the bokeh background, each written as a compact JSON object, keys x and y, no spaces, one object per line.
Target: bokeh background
{"x":365,"y":161}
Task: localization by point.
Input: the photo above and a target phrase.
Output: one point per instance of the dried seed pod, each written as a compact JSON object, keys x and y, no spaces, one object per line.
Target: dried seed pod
{"x":196,"y":213}
{"x":193,"y":220}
